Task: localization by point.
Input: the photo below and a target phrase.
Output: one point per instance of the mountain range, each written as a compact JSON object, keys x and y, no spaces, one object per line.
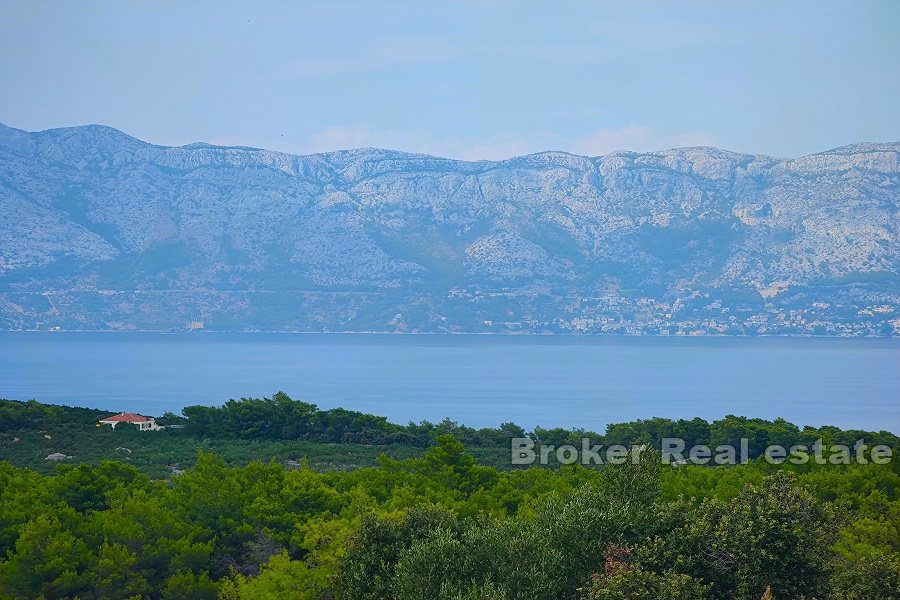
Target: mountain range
{"x":102,"y":231}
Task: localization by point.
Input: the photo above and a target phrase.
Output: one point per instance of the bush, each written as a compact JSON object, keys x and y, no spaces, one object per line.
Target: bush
{"x":636,"y":584}
{"x":367,"y":571}
{"x":874,"y":577}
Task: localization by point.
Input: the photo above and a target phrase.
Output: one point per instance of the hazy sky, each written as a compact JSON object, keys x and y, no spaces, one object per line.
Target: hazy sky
{"x":483,"y":79}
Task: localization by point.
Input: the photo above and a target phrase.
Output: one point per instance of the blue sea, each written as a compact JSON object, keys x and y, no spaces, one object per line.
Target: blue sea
{"x":477,"y":380}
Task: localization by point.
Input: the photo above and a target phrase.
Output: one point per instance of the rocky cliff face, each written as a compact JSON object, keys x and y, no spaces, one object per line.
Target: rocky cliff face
{"x":99,"y":230}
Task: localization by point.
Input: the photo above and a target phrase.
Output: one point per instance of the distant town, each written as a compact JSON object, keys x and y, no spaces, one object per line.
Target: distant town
{"x":703,"y":314}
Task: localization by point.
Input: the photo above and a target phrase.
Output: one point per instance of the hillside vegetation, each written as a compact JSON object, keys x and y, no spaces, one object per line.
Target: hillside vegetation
{"x":444,"y":527}
{"x":291,"y":431}
{"x":438,"y":525}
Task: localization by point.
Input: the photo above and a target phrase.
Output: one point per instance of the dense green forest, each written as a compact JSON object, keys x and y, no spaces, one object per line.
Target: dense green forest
{"x":435,"y":522}
{"x":289,"y":431}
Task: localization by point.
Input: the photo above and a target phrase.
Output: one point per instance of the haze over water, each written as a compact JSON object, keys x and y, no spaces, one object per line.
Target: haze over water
{"x":476,"y":380}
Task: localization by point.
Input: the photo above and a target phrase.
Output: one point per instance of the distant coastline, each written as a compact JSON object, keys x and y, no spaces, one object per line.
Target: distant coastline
{"x":513,"y":334}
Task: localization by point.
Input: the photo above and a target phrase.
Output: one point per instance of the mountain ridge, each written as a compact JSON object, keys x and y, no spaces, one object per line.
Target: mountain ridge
{"x":854,"y":147}
{"x":681,"y":241}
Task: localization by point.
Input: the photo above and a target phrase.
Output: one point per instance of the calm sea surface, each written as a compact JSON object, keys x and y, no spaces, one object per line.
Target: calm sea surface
{"x":477,"y":380}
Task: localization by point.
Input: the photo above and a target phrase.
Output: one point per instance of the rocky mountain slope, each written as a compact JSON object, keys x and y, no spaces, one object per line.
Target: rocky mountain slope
{"x":99,"y":230}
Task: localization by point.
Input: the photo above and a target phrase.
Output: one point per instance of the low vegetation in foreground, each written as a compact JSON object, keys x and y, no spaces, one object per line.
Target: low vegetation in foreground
{"x":438,"y":524}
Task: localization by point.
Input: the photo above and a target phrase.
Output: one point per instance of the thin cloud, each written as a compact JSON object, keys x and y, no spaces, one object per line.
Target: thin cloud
{"x":637,"y":138}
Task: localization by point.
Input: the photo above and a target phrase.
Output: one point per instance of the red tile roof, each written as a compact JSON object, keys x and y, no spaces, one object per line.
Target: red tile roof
{"x":126,"y":418}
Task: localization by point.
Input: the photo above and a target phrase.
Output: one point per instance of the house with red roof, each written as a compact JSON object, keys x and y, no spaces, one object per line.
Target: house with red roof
{"x":143,"y":423}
